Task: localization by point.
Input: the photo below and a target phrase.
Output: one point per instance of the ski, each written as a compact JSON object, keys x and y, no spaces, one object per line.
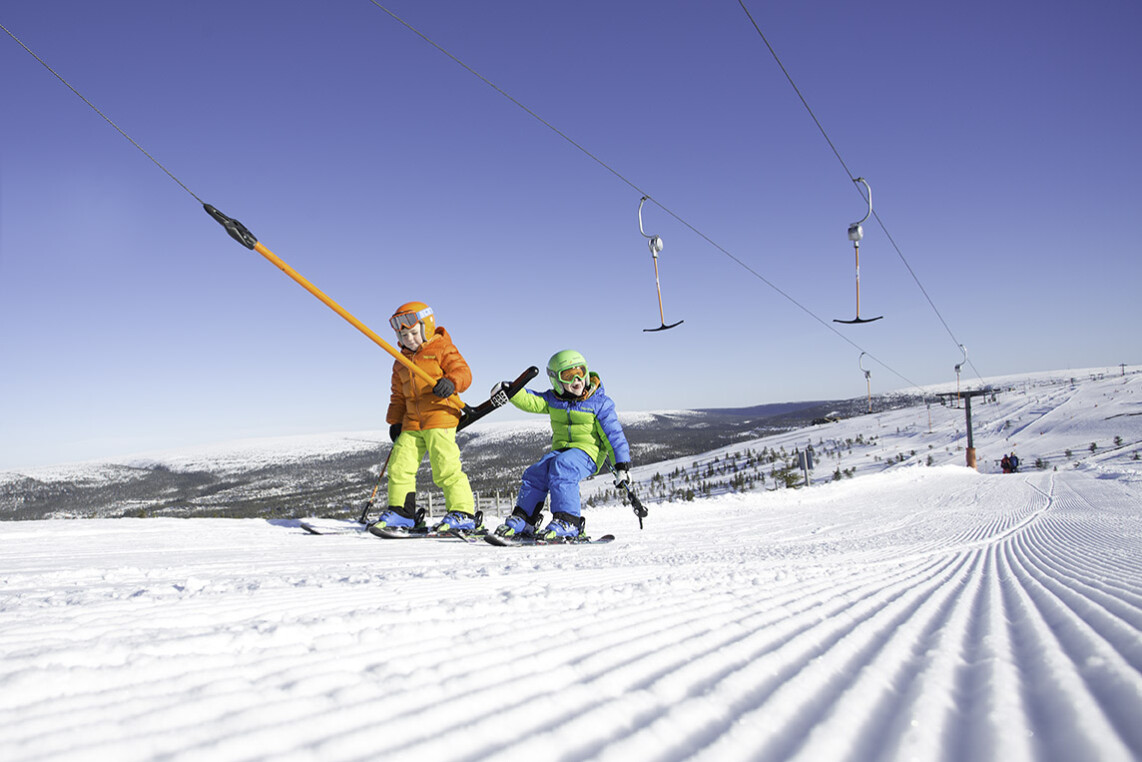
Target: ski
{"x":333,"y":526}
{"x":497,"y":400}
{"x":507,"y":542}
{"x":423,"y":533}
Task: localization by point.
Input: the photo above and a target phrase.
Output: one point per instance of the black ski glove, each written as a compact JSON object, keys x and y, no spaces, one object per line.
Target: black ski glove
{"x":622,"y":474}
{"x":444,"y":388}
{"x":394,"y":431}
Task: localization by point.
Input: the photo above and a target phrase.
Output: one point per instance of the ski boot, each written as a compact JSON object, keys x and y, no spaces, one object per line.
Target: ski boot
{"x":399,"y":519}
{"x":519,"y":524}
{"x":563,"y":528}
{"x":460,"y":522}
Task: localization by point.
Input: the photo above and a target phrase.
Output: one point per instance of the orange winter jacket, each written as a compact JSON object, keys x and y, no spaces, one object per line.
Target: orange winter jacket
{"x":412,"y":404}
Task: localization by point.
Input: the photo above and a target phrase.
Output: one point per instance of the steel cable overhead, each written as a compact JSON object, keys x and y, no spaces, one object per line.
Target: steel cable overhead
{"x":848,"y":172}
{"x":826,"y":324}
{"x":97,"y":111}
{"x":547,"y":124}
{"x":242,"y":235}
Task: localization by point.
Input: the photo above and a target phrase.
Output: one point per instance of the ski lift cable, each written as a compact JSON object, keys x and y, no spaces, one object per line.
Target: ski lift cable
{"x":923,"y":290}
{"x":633,"y":185}
{"x":851,"y":176}
{"x":107,"y":119}
{"x":668,"y":211}
{"x":507,"y":95}
{"x":595,"y":158}
{"x":242,"y":235}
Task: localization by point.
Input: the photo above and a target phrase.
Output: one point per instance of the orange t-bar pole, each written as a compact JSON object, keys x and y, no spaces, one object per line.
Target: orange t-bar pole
{"x":243,"y":236}
{"x":301,"y":281}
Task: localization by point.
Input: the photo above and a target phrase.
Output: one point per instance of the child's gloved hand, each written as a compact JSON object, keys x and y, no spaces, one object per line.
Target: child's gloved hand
{"x":444,"y":388}
{"x":394,"y":431}
{"x":622,"y":475}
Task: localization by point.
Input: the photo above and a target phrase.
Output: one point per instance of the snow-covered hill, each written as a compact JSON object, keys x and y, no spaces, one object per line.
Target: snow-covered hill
{"x":291,"y":477}
{"x":1080,"y":419}
{"x":334,"y":473}
{"x":908,"y":611}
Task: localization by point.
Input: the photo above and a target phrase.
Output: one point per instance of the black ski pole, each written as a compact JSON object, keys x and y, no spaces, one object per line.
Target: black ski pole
{"x":363,"y":519}
{"x":639,"y":508}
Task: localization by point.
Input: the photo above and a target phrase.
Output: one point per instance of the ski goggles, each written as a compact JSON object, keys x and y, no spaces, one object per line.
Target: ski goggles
{"x":573,"y":374}
{"x":408,"y":319}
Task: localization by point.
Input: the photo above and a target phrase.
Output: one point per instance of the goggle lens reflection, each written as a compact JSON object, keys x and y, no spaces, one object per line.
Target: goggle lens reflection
{"x":571,"y":375}
{"x":408,"y":319}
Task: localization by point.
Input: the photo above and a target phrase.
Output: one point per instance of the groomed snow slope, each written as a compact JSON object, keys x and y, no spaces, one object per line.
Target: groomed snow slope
{"x":930,"y":613}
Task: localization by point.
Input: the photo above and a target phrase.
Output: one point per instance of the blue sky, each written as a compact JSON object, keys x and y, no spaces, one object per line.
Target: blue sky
{"x":1000,"y":141}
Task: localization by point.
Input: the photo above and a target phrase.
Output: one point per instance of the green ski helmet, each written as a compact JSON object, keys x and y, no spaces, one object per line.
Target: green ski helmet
{"x":564,"y":367}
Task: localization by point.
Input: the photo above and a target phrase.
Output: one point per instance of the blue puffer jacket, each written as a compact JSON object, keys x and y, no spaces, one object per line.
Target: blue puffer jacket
{"x":588,"y":423}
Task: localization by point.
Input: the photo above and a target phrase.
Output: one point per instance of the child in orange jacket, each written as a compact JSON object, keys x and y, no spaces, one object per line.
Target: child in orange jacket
{"x":423,"y":420}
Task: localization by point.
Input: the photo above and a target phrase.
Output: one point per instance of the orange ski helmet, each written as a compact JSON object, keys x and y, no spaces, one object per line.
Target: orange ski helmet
{"x":411,"y":313}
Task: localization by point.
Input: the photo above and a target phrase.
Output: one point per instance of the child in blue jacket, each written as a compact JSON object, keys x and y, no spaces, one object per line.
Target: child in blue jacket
{"x":585,"y":431}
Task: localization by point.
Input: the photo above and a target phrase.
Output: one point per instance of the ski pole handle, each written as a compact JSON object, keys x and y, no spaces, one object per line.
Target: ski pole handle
{"x":638,"y":507}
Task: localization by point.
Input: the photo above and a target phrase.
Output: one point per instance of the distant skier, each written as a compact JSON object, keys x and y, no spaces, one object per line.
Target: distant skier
{"x":585,"y":431}
{"x":423,"y":421}
{"x":1014,"y":460}
{"x":1005,"y":464}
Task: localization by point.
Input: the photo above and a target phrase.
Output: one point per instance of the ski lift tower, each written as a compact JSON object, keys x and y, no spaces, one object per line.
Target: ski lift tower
{"x":966,"y":397}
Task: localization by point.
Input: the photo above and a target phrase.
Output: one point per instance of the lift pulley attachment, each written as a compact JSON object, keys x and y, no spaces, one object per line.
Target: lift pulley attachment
{"x":960,"y":365}
{"x":856,"y":232}
{"x":655,"y":244}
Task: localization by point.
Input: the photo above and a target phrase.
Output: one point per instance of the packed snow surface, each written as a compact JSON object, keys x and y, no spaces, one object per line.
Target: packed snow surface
{"x":912,"y":612}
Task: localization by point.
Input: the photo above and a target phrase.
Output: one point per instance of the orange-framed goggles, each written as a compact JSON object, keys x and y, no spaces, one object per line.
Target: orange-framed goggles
{"x":408,"y":319}
{"x":573,"y":374}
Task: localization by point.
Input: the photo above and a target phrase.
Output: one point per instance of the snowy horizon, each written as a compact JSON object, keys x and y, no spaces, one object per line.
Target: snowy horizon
{"x":221,"y":455}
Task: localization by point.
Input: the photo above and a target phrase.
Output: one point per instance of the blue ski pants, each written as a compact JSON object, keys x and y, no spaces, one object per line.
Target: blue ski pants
{"x":558,"y":474}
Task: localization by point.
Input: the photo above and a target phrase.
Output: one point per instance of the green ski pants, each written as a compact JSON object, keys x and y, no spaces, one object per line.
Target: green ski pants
{"x":444,"y":457}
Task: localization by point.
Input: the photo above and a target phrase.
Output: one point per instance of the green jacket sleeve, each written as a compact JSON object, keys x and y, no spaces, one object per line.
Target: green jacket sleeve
{"x":529,"y":402}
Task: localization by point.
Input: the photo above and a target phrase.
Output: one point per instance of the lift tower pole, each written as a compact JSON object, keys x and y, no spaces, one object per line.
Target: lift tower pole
{"x":967,"y":397}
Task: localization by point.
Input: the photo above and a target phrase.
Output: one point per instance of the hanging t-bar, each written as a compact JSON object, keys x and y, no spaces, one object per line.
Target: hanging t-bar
{"x":856,"y":233}
{"x":655,"y":244}
{"x":867,"y":378}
